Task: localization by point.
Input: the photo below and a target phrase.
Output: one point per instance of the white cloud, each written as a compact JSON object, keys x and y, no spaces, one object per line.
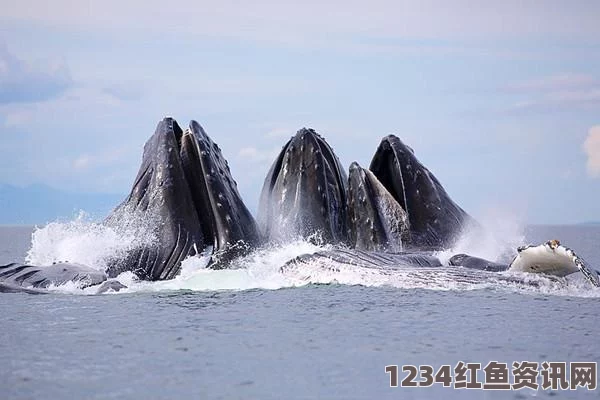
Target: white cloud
{"x":258,"y":156}
{"x":592,"y":149}
{"x":125,"y":91}
{"x":555,"y":83}
{"x":18,"y":118}
{"x":82,"y":162}
{"x":567,"y":92}
{"x":28,"y":82}
{"x":72,"y":105}
{"x":289,"y":20}
{"x":100,"y":159}
{"x":280,"y":133}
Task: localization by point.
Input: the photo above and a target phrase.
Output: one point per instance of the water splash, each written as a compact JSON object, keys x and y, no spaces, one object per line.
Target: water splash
{"x":87,"y":242}
{"x":92,"y":243}
{"x":259,"y":269}
{"x":495,"y":239}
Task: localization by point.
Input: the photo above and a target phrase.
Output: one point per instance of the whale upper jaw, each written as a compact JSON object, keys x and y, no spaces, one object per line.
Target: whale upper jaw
{"x":225,"y":219}
{"x":435,"y":220}
{"x":304,"y":192}
{"x":185,"y":187}
{"x":376,"y":220}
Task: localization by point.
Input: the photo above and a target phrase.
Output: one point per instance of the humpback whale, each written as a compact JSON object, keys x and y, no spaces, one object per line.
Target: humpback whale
{"x":435,"y":219}
{"x":396,"y":203}
{"x":366,"y":259}
{"x":304,"y":192}
{"x":185,"y":194}
{"x":554,"y":259}
{"x":185,"y":186}
{"x":14,"y":277}
{"x":376,"y":220}
{"x":392,"y":215}
{"x":21,"y":278}
{"x":467,"y":261}
{"x":161,"y":194}
{"x":550,"y":258}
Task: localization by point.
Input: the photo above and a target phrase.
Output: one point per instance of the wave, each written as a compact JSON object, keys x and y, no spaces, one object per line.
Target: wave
{"x":87,"y":242}
{"x":93,"y":244}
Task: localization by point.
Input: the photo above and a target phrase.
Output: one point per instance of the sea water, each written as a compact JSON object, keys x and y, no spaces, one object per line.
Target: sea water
{"x":257,"y":332}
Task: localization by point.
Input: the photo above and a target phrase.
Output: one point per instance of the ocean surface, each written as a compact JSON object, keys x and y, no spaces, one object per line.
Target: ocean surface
{"x":255,"y":332}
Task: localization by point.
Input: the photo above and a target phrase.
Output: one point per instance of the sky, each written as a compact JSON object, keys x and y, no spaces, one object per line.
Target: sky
{"x":500,"y":100}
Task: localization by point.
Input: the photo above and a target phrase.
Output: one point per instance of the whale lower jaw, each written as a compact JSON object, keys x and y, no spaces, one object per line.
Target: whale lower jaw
{"x":435,"y":220}
{"x":185,"y":190}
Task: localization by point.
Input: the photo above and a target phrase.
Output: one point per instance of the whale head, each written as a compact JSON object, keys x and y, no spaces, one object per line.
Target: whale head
{"x":435,"y":220}
{"x":376,"y":220}
{"x":304,"y":192}
{"x":185,"y":189}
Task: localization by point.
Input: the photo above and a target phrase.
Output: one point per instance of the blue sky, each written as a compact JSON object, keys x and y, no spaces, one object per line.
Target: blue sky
{"x":500,"y":100}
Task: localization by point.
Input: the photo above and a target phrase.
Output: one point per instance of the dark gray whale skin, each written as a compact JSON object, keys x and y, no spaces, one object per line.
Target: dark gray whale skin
{"x":464,"y":260}
{"x":161,"y":193}
{"x":10,"y":288}
{"x":185,"y":193}
{"x":21,"y":278}
{"x":435,"y":220}
{"x":31,"y":279}
{"x":215,"y":195}
{"x":367,"y":259}
{"x":304,"y":192}
{"x":376,"y":220}
{"x":184,"y":184}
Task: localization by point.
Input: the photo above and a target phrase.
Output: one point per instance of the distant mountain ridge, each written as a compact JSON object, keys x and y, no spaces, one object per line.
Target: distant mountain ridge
{"x":39,"y":204}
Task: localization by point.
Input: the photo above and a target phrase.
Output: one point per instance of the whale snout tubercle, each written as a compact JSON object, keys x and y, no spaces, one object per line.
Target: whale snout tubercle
{"x":553,"y":244}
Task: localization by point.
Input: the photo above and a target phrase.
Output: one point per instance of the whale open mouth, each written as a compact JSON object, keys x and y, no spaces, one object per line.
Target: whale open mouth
{"x":435,"y":220}
{"x":305,"y":191}
{"x":185,"y":184}
{"x":388,"y":169}
{"x":226,"y":222}
{"x":377,"y":222}
{"x":197,"y":169}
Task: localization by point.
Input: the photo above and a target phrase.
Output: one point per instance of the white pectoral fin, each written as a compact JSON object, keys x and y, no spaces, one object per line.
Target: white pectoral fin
{"x":591,"y":275}
{"x":553,"y":259}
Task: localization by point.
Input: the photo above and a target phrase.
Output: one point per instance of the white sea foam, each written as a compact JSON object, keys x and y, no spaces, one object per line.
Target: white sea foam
{"x":92,"y":243}
{"x":260,"y":269}
{"x":496,"y":239}
{"x":87,"y":242}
